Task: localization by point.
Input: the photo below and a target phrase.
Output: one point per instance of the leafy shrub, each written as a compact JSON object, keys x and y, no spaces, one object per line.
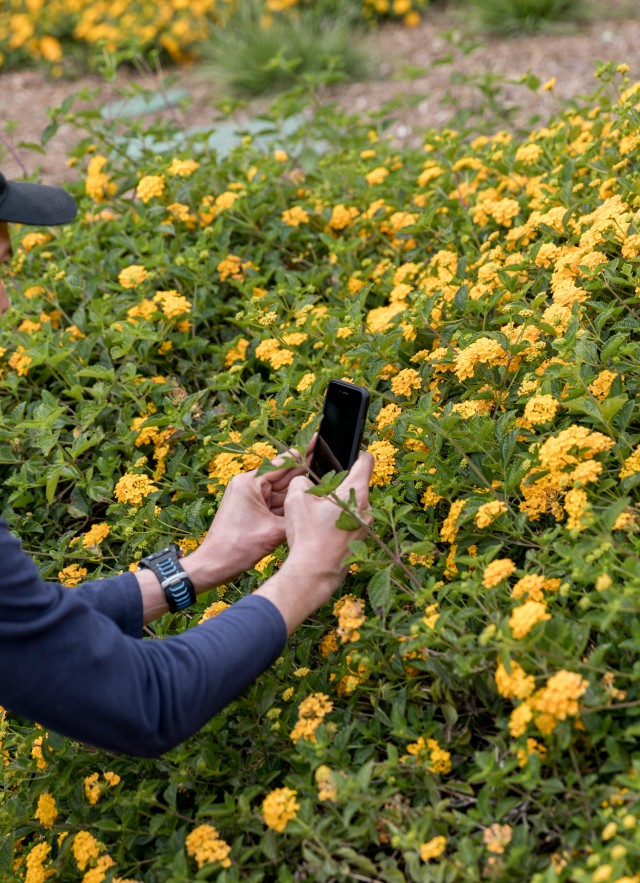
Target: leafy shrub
{"x":68,"y":36}
{"x":470,"y":704}
{"x":255,"y":58}
{"x":517,"y":16}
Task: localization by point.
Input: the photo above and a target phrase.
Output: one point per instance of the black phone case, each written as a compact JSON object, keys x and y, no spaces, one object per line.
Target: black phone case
{"x":363,"y":407}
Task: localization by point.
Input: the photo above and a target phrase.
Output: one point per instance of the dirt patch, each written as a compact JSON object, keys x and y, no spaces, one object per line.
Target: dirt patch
{"x":437,"y":52}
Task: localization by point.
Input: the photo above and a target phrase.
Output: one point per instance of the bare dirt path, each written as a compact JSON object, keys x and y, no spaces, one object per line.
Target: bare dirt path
{"x":428,"y":98}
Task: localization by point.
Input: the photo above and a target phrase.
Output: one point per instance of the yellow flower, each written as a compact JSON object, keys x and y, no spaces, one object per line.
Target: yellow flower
{"x":20,"y":361}
{"x":99,"y":872}
{"x":112,"y":778}
{"x":34,"y":864}
{"x":449,"y":529}
{"x":484,"y":351}
{"x":262,"y":564}
{"x":311,"y":713}
{"x":559,"y":697}
{"x":97,"y":184}
{"x":497,"y":571}
{"x":524,"y":617}
{"x":223,"y":467}
{"x":36,"y":753}
{"x":237,"y":353}
{"x":440,"y":759}
{"x":528,"y":153}
{"x":46,"y":812}
{"x":601,"y":386}
{"x":532,"y":585}
{"x":95,"y":535}
{"x":50,"y":48}
{"x":132,"y":276}
{"x":181,"y":212}
{"x":183,"y":167}
{"x":519,"y":719}
{"x":631,"y":465}
{"x":133,"y":488}
{"x":270,"y":351}
{"x":533,"y":747}
{"x":85,"y":848}
{"x":540,"y":409}
{"x":384,"y":454}
{"x":31,"y":240}
{"x":341,"y":216}
{"x":431,"y":616}
{"x":261,"y":451}
{"x":173,"y":304}
{"x":72,"y":575}
{"x":213,"y":610}
{"x":514,"y":684}
{"x":295,"y":216}
{"x":433,"y":848}
{"x":326,"y":783}
{"x":376,"y":176}
{"x":205,"y":845}
{"x":497,"y":838}
{"x":488,"y":512}
{"x":149,"y":187}
{"x":350,"y":613}
{"x":92,"y":788}
{"x":428,"y":751}
{"x":280,"y":807}
{"x":306,"y":381}
{"x":429,"y":498}
{"x":405,"y":381}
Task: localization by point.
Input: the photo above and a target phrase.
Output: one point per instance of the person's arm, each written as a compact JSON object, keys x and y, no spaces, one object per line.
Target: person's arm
{"x":248,"y":525}
{"x":69,"y":667}
{"x":72,"y":669}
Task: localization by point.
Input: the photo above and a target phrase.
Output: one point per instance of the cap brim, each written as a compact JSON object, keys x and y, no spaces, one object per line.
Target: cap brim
{"x":38,"y":204}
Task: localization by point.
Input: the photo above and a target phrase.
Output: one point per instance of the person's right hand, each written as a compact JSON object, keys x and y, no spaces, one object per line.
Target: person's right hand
{"x":314,"y":566}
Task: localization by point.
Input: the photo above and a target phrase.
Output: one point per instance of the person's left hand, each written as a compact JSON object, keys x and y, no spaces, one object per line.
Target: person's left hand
{"x":248,"y":525}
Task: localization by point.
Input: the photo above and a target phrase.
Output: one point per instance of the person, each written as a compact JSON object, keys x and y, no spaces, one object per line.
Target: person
{"x":73,"y":659}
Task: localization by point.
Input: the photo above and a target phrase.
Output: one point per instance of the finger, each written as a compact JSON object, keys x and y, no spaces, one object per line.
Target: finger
{"x":300,"y":484}
{"x":283,"y":481}
{"x":289,"y":460}
{"x":358,"y":478}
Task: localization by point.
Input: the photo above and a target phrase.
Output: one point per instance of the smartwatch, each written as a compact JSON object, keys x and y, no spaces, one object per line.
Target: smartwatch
{"x":174,"y":582}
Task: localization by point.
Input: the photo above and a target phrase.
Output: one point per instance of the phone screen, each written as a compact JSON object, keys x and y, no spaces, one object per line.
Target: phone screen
{"x":340,"y":433}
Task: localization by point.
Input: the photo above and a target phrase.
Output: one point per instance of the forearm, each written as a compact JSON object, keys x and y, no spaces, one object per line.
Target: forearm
{"x":75,"y":672}
{"x":297,"y":594}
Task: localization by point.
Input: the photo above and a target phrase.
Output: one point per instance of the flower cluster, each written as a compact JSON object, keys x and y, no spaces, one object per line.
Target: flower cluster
{"x":280,"y":807}
{"x":311,"y":713}
{"x":205,"y":845}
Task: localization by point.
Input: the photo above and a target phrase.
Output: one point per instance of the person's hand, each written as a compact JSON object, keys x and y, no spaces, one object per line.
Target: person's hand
{"x":314,"y":567}
{"x":248,"y":525}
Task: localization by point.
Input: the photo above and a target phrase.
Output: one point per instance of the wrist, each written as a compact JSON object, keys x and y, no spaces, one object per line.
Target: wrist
{"x":298,"y":592}
{"x":206,"y":571}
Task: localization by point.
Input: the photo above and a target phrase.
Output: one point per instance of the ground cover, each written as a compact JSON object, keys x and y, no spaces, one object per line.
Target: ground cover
{"x":468,"y":709}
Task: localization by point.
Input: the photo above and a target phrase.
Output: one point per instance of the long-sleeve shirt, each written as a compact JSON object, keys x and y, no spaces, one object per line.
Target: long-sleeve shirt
{"x":73,"y":659}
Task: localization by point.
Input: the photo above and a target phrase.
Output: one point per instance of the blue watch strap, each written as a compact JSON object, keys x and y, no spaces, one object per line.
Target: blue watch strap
{"x":175,"y":583}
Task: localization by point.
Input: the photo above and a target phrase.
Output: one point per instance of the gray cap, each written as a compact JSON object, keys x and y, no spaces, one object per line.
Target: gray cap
{"x":41,"y":205}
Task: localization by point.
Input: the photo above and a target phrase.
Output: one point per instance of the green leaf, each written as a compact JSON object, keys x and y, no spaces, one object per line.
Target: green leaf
{"x":379,"y":591}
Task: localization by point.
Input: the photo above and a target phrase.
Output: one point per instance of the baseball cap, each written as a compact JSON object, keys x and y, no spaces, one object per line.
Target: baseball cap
{"x":42,"y":205}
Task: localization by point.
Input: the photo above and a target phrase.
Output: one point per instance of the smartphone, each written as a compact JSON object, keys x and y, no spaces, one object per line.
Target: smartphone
{"x":341,"y":429}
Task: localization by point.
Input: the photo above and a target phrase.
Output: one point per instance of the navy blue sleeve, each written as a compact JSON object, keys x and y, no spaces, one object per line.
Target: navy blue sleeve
{"x":118,"y":597}
{"x":69,"y":666}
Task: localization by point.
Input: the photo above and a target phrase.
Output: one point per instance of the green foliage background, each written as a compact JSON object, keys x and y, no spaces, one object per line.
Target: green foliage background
{"x":67,"y":434}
